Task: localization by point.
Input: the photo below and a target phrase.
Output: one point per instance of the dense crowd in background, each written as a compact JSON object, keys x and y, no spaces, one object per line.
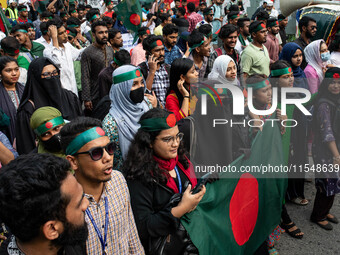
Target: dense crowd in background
{"x":102,"y":131}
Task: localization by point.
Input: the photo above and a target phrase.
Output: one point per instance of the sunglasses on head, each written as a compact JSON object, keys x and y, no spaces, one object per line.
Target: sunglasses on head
{"x":97,"y":153}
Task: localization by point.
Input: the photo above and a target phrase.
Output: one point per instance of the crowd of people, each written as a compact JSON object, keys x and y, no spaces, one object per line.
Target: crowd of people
{"x":94,"y":140}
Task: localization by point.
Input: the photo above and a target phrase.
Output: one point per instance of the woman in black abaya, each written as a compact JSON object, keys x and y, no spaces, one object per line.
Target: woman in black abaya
{"x":43,"y":88}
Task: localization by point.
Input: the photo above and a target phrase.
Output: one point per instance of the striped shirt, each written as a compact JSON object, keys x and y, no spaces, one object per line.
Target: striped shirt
{"x":122,"y":235}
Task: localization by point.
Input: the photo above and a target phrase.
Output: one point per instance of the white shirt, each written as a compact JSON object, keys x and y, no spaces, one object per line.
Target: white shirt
{"x":42,"y":41}
{"x":23,"y":76}
{"x":335,"y":58}
{"x":238,"y":45}
{"x":63,"y":58}
{"x":85,"y":27}
{"x":151,"y":27}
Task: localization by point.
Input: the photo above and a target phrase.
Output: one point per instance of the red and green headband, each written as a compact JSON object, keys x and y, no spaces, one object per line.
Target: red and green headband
{"x":127,"y":76}
{"x":43,"y":128}
{"x":96,"y":16}
{"x":273,"y":23}
{"x":332,"y":75}
{"x":84,"y":138}
{"x":158,"y":124}
{"x":259,"y":27}
{"x":234,"y":16}
{"x":279,"y":72}
{"x":197,"y":45}
{"x":70,"y":33}
{"x":156,"y":44}
{"x":259,"y":85}
{"x":11,"y":51}
{"x":144,"y":32}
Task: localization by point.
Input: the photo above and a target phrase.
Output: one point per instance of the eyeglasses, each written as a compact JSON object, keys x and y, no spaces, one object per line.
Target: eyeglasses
{"x":97,"y":153}
{"x":314,"y":27}
{"x":48,"y":75}
{"x":171,"y":139}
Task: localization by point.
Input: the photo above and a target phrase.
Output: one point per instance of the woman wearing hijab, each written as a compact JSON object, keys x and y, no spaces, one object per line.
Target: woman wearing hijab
{"x":157,"y":170}
{"x":293,"y":54}
{"x":224,"y":70}
{"x":46,"y":122}
{"x":326,"y":148}
{"x":318,"y":59}
{"x":10,"y":93}
{"x":128,"y":104}
{"x":43,"y":88}
{"x":182,"y":74}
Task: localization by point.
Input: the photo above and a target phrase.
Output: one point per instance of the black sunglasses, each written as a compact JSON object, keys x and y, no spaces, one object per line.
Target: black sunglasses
{"x":97,"y":153}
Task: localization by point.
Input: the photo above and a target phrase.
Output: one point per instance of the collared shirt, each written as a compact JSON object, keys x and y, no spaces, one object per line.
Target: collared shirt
{"x":63,"y":58}
{"x":93,"y":60}
{"x":122,"y":235}
{"x":161,"y":83}
{"x":138,"y":55}
{"x":42,"y":41}
{"x":201,"y":71}
{"x":273,"y":47}
{"x":173,"y":54}
{"x":255,"y":60}
{"x":193,"y":19}
{"x":235,"y":56}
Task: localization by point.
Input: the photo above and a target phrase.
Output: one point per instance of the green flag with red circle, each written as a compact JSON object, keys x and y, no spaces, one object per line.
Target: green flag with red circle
{"x":240,"y":210}
{"x":130,"y":13}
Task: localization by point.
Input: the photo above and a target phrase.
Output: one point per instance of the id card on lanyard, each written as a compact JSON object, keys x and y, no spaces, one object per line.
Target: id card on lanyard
{"x":102,"y":240}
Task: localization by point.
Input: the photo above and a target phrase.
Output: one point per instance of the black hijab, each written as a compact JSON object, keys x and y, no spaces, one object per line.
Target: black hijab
{"x":49,"y":92}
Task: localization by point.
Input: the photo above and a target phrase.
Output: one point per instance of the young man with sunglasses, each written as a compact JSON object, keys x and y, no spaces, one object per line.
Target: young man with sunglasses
{"x":111,"y":224}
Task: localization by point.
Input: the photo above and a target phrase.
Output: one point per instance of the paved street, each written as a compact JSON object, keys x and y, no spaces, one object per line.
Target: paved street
{"x":316,"y":240}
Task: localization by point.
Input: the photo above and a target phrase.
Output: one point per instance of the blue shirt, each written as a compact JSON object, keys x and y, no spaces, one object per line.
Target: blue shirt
{"x":171,"y":55}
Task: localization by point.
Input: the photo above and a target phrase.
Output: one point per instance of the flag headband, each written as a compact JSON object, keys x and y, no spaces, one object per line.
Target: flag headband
{"x":156,"y":44}
{"x":43,"y":128}
{"x":74,"y":11}
{"x":210,"y":12}
{"x":22,"y":30}
{"x":11,"y":51}
{"x":158,"y":124}
{"x":70,"y":33}
{"x":234,"y":16}
{"x":332,"y":75}
{"x":84,"y":138}
{"x":117,"y":61}
{"x":259,"y":27}
{"x":279,"y":72}
{"x":73,"y":25}
{"x":144,"y":32}
{"x":127,"y":76}
{"x":23,"y":10}
{"x":197,"y":45}
{"x":259,"y":85}
{"x":273,"y":24}
{"x":94,"y":17}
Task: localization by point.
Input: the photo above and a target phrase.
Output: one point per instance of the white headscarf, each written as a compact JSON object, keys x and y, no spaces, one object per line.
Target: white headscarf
{"x":313,"y":57}
{"x":220,"y":68}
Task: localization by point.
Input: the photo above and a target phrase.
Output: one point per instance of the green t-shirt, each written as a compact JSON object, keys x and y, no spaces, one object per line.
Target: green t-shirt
{"x":23,"y":62}
{"x":255,"y":60}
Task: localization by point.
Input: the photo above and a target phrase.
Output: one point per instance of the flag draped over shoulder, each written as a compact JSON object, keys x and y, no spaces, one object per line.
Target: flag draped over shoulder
{"x":130,"y":13}
{"x":239,"y":211}
{"x":5,"y":26}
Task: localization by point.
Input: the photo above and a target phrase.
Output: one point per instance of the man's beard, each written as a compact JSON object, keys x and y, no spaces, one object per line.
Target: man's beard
{"x":308,"y":35}
{"x":72,"y":235}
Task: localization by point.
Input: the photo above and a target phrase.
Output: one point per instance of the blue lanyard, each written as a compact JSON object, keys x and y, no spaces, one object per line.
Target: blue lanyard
{"x":179,"y":180}
{"x":103,"y":242}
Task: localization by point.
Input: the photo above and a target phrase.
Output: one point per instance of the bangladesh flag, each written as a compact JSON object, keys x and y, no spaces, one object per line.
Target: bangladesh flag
{"x":40,"y":5}
{"x":5,"y":26}
{"x":237,"y":214}
{"x":130,"y":13}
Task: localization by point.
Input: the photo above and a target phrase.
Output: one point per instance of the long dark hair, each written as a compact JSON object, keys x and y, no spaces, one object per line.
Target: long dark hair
{"x":5,"y":60}
{"x":178,"y":67}
{"x":139,"y":163}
